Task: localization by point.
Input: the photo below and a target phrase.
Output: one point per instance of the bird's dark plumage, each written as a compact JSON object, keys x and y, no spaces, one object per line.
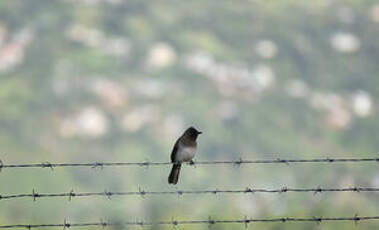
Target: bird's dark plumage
{"x":174,"y":150}
{"x":174,"y":174}
{"x":184,"y":150}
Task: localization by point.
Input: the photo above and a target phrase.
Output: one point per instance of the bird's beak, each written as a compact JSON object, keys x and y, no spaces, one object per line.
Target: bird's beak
{"x":198,"y":132}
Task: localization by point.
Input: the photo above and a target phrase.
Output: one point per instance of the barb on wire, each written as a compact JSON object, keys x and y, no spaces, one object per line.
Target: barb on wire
{"x":146,"y":164}
{"x":211,"y":222}
{"x":246,"y":222}
{"x":103,"y":223}
{"x":174,"y":223}
{"x":237,"y":162}
{"x":34,"y":195}
{"x":66,"y":224}
{"x":99,"y":165}
{"x":71,"y":194}
{"x":142,"y":193}
{"x":108,"y":194}
{"x":208,"y":222}
{"x":47,"y":165}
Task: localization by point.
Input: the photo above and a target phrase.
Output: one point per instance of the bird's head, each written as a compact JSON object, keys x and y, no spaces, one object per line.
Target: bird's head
{"x":192,"y":133}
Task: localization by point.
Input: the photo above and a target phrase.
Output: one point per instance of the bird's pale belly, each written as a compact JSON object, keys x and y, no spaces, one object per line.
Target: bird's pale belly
{"x":186,"y":154}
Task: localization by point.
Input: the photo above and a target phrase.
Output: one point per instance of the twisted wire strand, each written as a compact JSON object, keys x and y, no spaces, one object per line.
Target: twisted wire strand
{"x":208,"y":221}
{"x":225,"y":162}
{"x":142,"y":192}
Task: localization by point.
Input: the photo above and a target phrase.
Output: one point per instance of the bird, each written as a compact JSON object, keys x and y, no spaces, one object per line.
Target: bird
{"x":184,"y":151}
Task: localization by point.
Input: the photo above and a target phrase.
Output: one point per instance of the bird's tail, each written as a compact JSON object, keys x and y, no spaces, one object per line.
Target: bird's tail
{"x":174,"y":175}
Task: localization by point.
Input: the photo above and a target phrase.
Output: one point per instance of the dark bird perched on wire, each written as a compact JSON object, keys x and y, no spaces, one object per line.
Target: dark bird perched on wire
{"x":184,"y":151}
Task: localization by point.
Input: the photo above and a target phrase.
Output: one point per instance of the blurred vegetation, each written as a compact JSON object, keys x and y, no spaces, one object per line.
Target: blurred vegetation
{"x":114,"y":80}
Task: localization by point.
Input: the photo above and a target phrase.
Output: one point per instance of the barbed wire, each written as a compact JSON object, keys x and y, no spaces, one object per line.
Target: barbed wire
{"x":246,"y":221}
{"x":240,"y":161}
{"x":143,"y":193}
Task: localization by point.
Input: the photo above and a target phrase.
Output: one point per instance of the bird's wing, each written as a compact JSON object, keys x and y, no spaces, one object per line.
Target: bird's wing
{"x":174,"y":151}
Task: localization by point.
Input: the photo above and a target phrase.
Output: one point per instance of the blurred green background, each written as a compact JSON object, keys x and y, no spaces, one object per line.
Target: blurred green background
{"x":120,"y":80}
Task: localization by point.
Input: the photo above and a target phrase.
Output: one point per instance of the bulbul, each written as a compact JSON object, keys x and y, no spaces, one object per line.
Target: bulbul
{"x":184,"y":150}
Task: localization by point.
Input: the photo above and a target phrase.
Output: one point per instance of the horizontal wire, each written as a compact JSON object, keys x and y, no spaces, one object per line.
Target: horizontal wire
{"x":226,"y":162}
{"x":141,"y":192}
{"x":209,"y":221}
